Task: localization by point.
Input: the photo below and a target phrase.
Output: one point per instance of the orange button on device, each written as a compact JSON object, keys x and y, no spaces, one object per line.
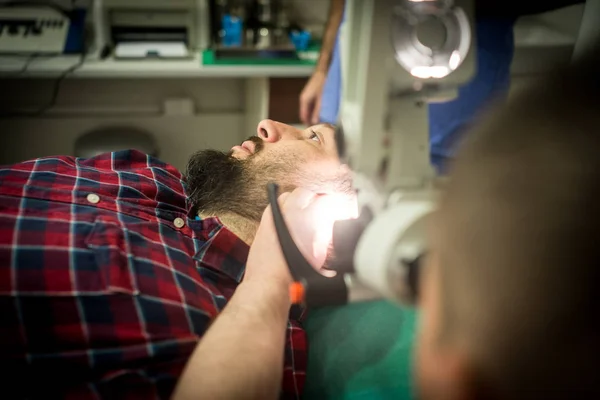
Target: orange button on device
{"x":297,"y":293}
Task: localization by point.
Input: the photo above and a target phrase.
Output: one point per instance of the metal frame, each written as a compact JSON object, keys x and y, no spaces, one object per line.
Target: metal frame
{"x":382,"y":102}
{"x":365,"y":83}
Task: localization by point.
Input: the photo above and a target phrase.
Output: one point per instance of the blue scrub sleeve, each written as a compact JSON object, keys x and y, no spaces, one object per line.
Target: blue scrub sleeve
{"x":449,"y":120}
{"x":330,"y":100}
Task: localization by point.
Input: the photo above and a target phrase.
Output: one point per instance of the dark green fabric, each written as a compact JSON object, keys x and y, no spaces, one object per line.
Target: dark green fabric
{"x":360,"y":351}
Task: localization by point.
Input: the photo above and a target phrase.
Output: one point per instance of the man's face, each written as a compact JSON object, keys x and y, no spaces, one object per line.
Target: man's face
{"x":235,"y":182}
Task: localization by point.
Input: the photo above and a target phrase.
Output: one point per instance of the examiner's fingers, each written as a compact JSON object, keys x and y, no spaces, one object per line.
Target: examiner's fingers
{"x":300,"y":198}
{"x":283,"y":197}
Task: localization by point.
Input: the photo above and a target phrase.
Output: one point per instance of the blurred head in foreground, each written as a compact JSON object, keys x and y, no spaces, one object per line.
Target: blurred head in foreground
{"x":233,"y":185}
{"x":510,"y":293}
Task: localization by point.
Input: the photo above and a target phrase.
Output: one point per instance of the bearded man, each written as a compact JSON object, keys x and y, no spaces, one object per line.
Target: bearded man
{"x":113,"y":268}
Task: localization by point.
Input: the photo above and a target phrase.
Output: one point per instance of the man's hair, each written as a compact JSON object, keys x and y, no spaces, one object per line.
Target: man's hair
{"x":519,"y":241}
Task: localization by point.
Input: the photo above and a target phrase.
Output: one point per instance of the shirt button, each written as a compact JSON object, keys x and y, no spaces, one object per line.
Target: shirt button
{"x":93,"y":198}
{"x":179,"y":223}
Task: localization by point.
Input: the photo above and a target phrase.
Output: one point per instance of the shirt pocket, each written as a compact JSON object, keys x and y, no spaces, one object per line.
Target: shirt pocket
{"x":151,"y":265}
{"x":148,"y":258}
{"x":52,"y":254}
{"x":109,"y":248}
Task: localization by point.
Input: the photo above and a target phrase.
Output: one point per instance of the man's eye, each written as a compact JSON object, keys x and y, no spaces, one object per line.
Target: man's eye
{"x":314,"y":136}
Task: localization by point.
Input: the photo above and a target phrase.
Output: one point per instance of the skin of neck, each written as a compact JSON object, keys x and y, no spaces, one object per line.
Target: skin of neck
{"x":243,"y":228}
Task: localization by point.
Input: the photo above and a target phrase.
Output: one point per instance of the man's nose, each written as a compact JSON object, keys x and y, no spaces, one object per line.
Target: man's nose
{"x":272,"y":131}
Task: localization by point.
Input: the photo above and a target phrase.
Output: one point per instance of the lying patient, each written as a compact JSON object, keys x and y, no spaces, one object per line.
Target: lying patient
{"x":112,"y":268}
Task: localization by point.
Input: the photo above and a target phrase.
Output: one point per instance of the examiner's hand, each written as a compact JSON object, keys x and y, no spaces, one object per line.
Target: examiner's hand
{"x":303,"y":213}
{"x":310,"y":99}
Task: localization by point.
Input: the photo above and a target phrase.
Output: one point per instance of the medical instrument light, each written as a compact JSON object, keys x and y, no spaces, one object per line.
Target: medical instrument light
{"x":430,"y":38}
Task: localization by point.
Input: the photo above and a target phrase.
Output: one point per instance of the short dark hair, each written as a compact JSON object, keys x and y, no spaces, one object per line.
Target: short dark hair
{"x":519,"y":242}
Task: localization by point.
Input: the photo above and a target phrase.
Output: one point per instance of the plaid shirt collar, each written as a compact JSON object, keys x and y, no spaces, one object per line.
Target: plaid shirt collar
{"x":222,"y":249}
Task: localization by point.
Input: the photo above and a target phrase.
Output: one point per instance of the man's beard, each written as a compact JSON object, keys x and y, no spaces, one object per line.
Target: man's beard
{"x":219,"y":183}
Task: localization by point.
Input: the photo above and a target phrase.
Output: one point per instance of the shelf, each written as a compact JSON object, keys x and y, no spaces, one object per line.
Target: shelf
{"x":54,"y":66}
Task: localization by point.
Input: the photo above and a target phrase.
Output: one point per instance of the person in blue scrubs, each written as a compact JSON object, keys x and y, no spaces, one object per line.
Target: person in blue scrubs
{"x":446,"y":120}
{"x":320,"y":99}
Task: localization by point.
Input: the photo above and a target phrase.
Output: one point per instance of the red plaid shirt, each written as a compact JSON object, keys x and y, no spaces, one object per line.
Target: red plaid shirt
{"x":107,"y":281}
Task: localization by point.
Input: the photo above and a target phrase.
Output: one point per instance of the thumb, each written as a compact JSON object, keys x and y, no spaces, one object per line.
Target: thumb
{"x":300,"y":198}
{"x":316,"y":111}
{"x":283,"y":198}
